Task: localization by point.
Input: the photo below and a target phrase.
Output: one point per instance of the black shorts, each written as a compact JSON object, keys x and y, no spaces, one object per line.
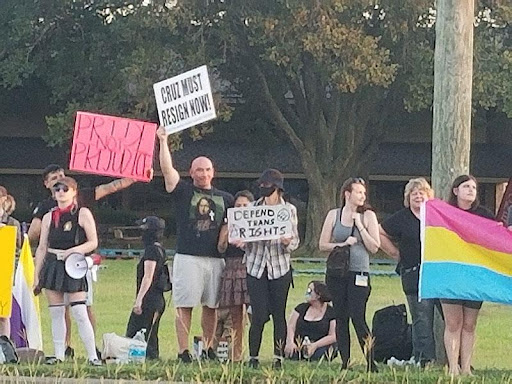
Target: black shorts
{"x":465,"y":303}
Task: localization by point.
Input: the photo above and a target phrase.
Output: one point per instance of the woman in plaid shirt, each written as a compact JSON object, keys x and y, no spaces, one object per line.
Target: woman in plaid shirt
{"x":269,"y":273}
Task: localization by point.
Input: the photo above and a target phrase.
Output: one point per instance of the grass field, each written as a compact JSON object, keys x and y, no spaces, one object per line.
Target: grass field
{"x":115,"y":293}
{"x":114,"y":296}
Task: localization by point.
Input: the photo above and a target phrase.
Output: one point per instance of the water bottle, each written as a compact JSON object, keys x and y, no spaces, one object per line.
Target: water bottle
{"x":223,"y":350}
{"x":305,"y":347}
{"x":137,"y":350}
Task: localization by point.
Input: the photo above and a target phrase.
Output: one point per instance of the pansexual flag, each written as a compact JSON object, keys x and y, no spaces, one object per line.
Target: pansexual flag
{"x":464,"y":256}
{"x":25,"y":319}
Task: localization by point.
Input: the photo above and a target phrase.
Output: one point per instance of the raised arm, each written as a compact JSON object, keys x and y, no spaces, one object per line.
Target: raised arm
{"x":115,"y":186}
{"x":171,"y":175}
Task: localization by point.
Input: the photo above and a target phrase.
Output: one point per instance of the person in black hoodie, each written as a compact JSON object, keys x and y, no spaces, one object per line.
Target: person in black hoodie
{"x":150,"y":303}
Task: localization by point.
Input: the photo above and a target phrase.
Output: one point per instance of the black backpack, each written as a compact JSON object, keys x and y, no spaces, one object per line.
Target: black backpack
{"x":164,"y":282}
{"x":8,"y":350}
{"x":392,"y":334}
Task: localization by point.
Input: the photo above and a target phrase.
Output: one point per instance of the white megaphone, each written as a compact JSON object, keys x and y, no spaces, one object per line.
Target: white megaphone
{"x":77,"y":264}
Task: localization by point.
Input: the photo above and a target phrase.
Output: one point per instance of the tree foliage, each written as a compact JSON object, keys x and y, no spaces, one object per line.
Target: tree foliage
{"x":329,"y":73}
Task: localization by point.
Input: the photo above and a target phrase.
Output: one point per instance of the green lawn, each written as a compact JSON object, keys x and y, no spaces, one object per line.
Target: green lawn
{"x":115,"y":292}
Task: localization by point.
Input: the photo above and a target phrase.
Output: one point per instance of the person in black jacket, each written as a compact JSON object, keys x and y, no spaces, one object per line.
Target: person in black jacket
{"x":150,"y":303}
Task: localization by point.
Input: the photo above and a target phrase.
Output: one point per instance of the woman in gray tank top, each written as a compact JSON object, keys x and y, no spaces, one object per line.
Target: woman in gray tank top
{"x":353,"y":225}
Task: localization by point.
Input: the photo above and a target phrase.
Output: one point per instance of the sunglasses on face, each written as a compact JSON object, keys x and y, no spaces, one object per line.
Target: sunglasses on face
{"x":60,"y":187}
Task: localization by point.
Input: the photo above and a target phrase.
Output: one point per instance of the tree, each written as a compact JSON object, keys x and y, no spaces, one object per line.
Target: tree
{"x":453,"y":75}
{"x":329,"y":72}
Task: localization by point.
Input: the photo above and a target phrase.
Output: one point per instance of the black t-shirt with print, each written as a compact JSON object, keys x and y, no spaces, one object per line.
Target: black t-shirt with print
{"x":404,"y":228}
{"x":86,"y":198}
{"x":200,"y":214}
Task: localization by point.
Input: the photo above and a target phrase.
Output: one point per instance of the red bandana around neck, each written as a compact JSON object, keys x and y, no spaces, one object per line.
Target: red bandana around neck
{"x":57,"y":213}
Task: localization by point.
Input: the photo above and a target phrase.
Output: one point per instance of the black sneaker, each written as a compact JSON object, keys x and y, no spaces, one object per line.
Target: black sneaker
{"x":52,"y":360}
{"x":69,"y":352}
{"x":95,"y":363}
{"x":253,"y":363}
{"x":185,"y":357}
{"x":209,"y":354}
{"x":277,"y":364}
{"x":98,"y":353}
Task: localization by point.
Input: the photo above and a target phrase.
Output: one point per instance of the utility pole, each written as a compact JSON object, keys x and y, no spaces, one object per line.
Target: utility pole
{"x":453,"y":80}
{"x":451,"y":131}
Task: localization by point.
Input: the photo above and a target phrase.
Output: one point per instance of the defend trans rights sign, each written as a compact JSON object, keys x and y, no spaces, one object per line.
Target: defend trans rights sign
{"x":259,"y":223}
{"x":185,"y":100}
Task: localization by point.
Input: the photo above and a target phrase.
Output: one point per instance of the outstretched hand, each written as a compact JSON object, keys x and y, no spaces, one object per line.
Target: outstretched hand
{"x":161,"y":133}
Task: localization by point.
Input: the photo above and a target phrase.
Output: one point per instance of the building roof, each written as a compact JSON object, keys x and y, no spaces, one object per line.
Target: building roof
{"x":31,"y":155}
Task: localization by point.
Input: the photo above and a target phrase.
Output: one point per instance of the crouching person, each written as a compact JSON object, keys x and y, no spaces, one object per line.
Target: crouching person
{"x":150,"y":303}
{"x":312,"y":326}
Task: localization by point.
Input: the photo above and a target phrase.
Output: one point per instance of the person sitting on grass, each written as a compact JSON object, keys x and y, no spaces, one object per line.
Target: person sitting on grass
{"x":314,"y":319}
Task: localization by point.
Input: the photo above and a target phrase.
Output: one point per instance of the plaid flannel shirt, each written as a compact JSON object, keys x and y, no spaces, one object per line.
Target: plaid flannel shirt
{"x":272,"y":254}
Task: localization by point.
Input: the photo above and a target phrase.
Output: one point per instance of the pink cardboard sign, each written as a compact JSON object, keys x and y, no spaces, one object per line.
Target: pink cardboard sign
{"x":112,"y":146}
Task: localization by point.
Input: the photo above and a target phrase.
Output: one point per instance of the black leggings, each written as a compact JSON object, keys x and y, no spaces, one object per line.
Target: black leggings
{"x":349,"y":302}
{"x":150,"y":320}
{"x":268,"y":297}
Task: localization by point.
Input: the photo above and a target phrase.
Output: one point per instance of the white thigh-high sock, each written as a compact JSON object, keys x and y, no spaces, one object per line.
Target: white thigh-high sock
{"x":79,"y":311}
{"x":58,"y":329}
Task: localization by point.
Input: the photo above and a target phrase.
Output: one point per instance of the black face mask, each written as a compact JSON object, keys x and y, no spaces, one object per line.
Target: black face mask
{"x":267,"y":191}
{"x":149,"y":237}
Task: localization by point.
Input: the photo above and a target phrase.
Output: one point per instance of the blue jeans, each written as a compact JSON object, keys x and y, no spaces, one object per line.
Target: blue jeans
{"x":422,"y":313}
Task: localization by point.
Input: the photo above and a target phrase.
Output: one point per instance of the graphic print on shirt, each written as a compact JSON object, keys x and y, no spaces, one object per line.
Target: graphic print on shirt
{"x":206,"y":212}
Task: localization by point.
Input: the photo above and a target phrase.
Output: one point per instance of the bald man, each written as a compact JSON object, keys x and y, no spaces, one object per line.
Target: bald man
{"x":197,"y":268}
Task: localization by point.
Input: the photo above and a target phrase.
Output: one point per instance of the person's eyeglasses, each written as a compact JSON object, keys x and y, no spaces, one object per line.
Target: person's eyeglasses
{"x":359,"y":180}
{"x":60,"y":187}
{"x":309,"y":291}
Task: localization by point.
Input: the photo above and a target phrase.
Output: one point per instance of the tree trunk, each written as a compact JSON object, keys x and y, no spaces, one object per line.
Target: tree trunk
{"x":323,"y":196}
{"x":453,"y":74}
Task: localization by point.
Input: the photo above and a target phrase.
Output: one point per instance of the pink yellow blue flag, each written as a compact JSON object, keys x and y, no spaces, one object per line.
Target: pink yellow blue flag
{"x":464,"y":256}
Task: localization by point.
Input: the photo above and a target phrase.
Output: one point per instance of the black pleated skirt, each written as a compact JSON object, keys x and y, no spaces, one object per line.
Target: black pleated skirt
{"x":53,"y":276}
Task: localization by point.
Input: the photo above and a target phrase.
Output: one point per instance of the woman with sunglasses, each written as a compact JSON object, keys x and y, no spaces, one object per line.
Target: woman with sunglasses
{"x":315,"y":320}
{"x":460,"y":315}
{"x":353,"y":225}
{"x":65,"y":230}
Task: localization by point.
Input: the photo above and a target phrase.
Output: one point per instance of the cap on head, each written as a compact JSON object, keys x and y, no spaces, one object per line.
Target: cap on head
{"x":151,"y":223}
{"x":68,"y":181}
{"x":273,"y":177}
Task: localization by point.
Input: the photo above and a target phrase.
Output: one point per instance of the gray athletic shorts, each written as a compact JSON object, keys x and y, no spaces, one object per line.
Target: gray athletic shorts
{"x":196,"y":281}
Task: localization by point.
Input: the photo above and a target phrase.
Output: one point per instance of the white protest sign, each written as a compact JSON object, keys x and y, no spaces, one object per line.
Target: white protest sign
{"x":185,"y":100}
{"x":263,"y":222}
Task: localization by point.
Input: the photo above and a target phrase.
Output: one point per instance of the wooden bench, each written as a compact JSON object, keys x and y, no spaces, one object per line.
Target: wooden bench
{"x":128,"y":233}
